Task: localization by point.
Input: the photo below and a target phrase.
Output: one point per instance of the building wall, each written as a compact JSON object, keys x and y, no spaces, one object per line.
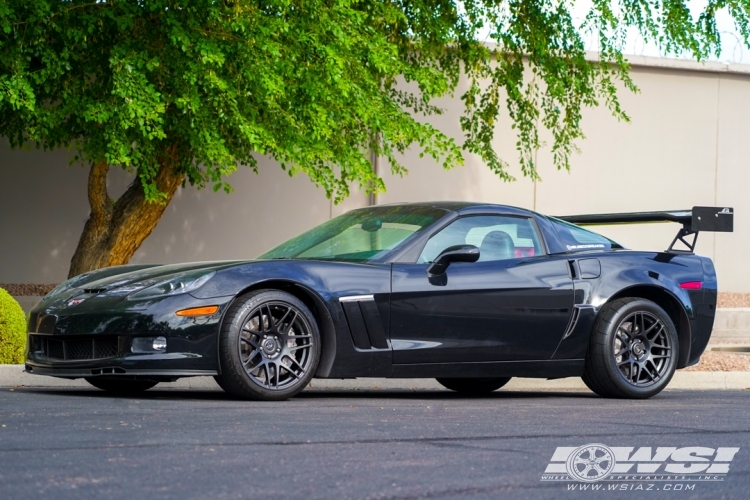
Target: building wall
{"x":686,"y":144}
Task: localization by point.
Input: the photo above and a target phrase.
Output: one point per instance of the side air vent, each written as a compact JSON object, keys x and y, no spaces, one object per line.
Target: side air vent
{"x":573,"y":322}
{"x":364,"y":321}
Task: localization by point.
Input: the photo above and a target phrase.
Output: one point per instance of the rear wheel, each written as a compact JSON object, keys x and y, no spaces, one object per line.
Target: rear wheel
{"x":473,"y":385}
{"x":269,"y":347}
{"x":633,"y":350}
{"x":122,"y":387}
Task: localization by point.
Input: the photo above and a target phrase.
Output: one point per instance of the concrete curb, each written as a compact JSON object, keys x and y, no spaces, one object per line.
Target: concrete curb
{"x":14,"y":376}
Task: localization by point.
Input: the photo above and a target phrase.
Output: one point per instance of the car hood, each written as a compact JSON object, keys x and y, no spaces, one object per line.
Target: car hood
{"x":123,"y":280}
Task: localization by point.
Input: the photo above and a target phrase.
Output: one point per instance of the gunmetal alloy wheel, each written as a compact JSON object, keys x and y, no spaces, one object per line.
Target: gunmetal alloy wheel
{"x":633,"y":350}
{"x":269,"y":346}
{"x":642,"y":349}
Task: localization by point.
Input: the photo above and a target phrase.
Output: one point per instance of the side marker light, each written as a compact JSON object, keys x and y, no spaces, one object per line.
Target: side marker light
{"x":691,"y":285}
{"x":198,"y":311}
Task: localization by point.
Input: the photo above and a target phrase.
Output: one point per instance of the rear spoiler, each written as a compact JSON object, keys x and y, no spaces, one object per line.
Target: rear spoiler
{"x":712,"y":219}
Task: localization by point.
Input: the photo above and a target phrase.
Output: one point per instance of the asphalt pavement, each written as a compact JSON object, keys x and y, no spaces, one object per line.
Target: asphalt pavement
{"x":82,"y":443}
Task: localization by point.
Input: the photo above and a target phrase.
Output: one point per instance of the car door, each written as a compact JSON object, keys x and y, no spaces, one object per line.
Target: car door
{"x":514,"y":303}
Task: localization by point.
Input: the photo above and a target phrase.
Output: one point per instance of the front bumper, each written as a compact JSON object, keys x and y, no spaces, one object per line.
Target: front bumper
{"x":96,"y":338}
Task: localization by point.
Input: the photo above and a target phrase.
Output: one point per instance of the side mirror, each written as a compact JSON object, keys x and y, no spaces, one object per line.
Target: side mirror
{"x":456,"y":253}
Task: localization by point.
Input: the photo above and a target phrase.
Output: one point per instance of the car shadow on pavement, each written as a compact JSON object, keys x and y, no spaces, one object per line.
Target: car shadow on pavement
{"x":310,"y":395}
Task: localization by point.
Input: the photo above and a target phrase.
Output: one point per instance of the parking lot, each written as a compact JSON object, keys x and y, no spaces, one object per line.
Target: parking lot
{"x":389,"y":444}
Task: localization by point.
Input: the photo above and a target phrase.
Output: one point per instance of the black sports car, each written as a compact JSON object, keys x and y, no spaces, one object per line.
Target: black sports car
{"x":471,"y":294}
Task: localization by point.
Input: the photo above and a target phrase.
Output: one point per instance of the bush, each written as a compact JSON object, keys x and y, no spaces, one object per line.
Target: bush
{"x":12,"y":330}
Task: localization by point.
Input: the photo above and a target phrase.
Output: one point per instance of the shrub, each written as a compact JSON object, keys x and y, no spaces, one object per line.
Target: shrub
{"x":12,"y":330}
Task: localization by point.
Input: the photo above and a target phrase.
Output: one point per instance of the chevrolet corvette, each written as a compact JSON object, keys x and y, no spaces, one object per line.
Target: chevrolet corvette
{"x":470,"y":294}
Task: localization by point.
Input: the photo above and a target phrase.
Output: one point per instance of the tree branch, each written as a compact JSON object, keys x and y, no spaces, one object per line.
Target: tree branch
{"x":98,"y":196}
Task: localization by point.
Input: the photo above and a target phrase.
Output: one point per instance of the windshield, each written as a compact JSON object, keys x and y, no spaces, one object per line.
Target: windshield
{"x":359,"y":235}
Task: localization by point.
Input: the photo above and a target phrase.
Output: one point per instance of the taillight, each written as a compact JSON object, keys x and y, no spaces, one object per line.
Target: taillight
{"x":691,"y":285}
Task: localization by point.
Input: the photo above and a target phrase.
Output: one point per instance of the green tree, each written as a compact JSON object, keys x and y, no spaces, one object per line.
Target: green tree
{"x":184,"y":91}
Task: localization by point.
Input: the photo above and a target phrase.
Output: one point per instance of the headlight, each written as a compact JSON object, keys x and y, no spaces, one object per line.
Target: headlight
{"x":179,"y":283}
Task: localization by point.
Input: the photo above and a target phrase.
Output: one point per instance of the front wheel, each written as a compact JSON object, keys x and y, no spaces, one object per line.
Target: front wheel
{"x":473,"y":385}
{"x":633,"y":350}
{"x":122,"y":387}
{"x":269,"y":346}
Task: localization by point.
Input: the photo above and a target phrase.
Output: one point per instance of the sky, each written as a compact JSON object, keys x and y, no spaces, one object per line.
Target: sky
{"x":733,"y":49}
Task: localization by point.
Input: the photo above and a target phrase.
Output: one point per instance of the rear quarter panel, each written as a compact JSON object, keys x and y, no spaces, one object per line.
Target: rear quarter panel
{"x":626,"y":273}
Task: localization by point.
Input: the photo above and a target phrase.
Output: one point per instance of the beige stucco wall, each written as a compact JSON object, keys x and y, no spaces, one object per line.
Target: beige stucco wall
{"x":687,"y":144}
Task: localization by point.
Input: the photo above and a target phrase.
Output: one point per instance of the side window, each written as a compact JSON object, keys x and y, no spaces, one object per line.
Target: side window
{"x":497,"y":237}
{"x":576,"y":239}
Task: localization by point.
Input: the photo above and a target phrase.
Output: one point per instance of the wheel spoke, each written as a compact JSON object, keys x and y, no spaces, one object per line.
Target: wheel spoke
{"x":249,"y":340}
{"x":277,"y":371}
{"x":280,"y":322}
{"x":291,"y":372}
{"x":635,"y":372}
{"x":298,"y":347}
{"x":267,"y":371}
{"x":652,"y":327}
{"x":645,"y":330}
{"x":623,"y":335}
{"x":271,"y":322}
{"x":294,"y":361}
{"x":290,"y":324}
{"x":251,"y":357}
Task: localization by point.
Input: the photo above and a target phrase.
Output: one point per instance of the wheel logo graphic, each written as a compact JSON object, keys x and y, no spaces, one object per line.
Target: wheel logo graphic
{"x":591,"y":462}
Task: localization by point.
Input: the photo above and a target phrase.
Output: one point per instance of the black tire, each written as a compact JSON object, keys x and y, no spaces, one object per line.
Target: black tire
{"x":220,"y":381}
{"x":473,"y":385}
{"x":633,"y":350}
{"x":269,"y":346}
{"x":123,"y":387}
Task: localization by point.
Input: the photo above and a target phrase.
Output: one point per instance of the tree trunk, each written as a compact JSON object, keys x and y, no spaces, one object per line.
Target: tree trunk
{"x":116,"y":229}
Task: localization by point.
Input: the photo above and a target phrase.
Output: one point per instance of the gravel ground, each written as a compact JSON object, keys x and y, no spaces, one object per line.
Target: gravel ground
{"x":732,"y":300}
{"x":713,"y":361}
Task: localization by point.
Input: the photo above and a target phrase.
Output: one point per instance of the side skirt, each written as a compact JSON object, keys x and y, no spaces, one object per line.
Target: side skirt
{"x":531,"y":369}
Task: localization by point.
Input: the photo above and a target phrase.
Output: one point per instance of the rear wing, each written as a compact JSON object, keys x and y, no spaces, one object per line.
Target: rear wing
{"x":712,"y":219}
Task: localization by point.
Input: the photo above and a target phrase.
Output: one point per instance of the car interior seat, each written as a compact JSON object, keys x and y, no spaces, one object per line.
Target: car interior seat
{"x":496,"y":245}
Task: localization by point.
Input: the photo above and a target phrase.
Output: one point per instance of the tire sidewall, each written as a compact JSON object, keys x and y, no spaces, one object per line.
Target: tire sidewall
{"x":233,"y":373}
{"x":610,"y":363}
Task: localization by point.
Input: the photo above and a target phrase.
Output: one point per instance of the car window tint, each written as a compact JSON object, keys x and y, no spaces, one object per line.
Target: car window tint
{"x":497,"y":237}
{"x":576,"y":239}
{"x":358,"y":236}
{"x":354,"y":240}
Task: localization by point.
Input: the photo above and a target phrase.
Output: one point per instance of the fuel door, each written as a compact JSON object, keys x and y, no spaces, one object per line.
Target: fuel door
{"x":590,"y":268}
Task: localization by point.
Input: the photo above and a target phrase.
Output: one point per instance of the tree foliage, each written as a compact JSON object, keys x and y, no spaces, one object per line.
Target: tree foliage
{"x":194,"y":88}
{"x":12,"y":330}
